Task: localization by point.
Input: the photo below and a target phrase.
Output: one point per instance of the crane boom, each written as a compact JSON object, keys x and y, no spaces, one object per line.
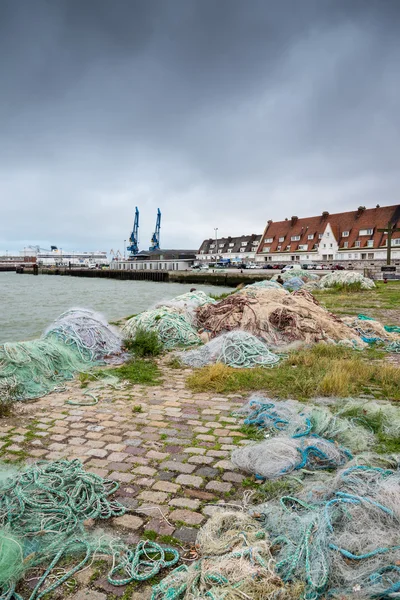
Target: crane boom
{"x":155,"y":239}
{"x":133,"y":247}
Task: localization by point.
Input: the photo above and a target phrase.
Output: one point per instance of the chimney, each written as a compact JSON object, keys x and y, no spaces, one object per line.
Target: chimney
{"x":378,"y":206}
{"x":360,"y":211}
{"x":269,"y":222}
{"x":294,"y":220}
{"x":325,"y":214}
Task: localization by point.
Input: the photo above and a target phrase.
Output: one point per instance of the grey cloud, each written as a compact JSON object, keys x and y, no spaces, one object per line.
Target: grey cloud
{"x":221,"y":113}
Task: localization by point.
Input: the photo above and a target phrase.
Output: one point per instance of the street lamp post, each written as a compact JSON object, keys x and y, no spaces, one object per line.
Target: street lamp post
{"x":124,"y":248}
{"x":216,"y":242}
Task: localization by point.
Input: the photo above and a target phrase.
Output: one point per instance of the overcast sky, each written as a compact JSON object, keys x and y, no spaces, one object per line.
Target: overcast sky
{"x":222,"y":113}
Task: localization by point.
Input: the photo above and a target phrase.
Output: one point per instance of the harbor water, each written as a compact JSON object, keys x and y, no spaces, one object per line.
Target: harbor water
{"x":29,"y":303}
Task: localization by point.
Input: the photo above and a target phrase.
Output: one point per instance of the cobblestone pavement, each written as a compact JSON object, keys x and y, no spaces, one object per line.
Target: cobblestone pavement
{"x":167,"y":447}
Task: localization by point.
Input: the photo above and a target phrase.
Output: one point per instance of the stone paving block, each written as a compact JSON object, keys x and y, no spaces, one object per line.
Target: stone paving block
{"x":145,"y":482}
{"x":135,"y":451}
{"x":226,"y":465}
{"x":206,"y":438}
{"x":218,"y":453}
{"x":166,"y":486}
{"x":207,"y":472}
{"x":94,"y":444}
{"x":153,"y":510}
{"x":185,"y":503}
{"x":118,"y":456}
{"x":201,"y":460}
{"x":177,"y":466}
{"x":97,"y":452}
{"x":160,"y":526}
{"x":186,"y":535}
{"x":118,"y":476}
{"x":234,"y":477}
{"x":37,"y":453}
{"x":117,"y":466}
{"x":128,"y":522}
{"x":155,"y":497}
{"x":116,"y":447}
{"x":93,"y":435}
{"x":157,"y":455}
{"x":76,"y":441}
{"x":219,"y":486}
{"x":194,"y":450}
{"x":186,"y":516}
{"x":143,"y":470}
{"x":191,"y":480}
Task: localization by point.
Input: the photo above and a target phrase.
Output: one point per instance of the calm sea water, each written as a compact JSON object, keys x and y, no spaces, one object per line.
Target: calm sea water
{"x":29,"y":303}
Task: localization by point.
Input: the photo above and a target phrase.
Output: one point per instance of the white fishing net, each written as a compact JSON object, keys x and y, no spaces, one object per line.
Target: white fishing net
{"x":236,"y":349}
{"x":343,"y":278}
{"x":173,"y":329}
{"x":186,"y":304}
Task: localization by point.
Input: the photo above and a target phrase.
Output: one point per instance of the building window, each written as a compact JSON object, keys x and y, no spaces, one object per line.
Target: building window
{"x":350,"y":255}
{"x":396,"y":242}
{"x":324,"y":245}
{"x":281,"y":239}
{"x":370,"y":243}
{"x":366,"y":231}
{"x":269,"y":240}
{"x":266,"y":248}
{"x":345,"y":234}
{"x":320,"y":236}
{"x":212,"y":245}
{"x":345,"y":244}
{"x":330,"y":245}
{"x":241,"y":249}
{"x":357,"y":244}
{"x":303,"y":247}
{"x":327,"y":234}
{"x":229,"y":249}
{"x":244,"y":244}
{"x":295,"y":238}
{"x":279,"y":247}
{"x":288,"y":247}
{"x":221,"y":245}
{"x":231,"y":245}
{"x":310,"y":236}
{"x":370,"y":255}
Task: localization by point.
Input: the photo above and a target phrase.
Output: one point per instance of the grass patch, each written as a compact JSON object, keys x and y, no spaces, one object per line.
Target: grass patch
{"x":252,"y":432}
{"x":5,"y":407}
{"x":220,"y":296}
{"x":144,"y":344}
{"x":138,"y":370}
{"x":149,"y":534}
{"x":175,"y":363}
{"x":318,"y":371}
{"x":138,"y":408}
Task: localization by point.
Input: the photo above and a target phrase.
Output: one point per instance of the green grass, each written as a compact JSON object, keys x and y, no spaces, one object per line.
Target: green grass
{"x":139,"y":371}
{"x":220,"y":296}
{"x":137,"y":408}
{"x":251,"y":432}
{"x":5,"y":407}
{"x":318,"y":371}
{"x":145,"y":343}
{"x":175,"y":363}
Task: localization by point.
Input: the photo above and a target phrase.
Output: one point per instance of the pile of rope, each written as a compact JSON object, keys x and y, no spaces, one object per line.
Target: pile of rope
{"x":343,"y":279}
{"x":236,"y":349}
{"x":43,"y":510}
{"x":235,"y":563}
{"x":186,"y":304}
{"x":373,"y":332}
{"x":173,"y":329}
{"x":302,"y":273}
{"x":341,"y":538}
{"x":87,"y":332}
{"x":275,"y":316}
{"x":33,"y":369}
{"x":266,"y":283}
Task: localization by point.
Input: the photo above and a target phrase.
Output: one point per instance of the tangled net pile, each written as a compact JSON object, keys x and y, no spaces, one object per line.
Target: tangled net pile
{"x":76,"y":341}
{"x":42,"y":513}
{"x":235,"y":563}
{"x":340,"y":538}
{"x":173,"y":328}
{"x":186,"y":304}
{"x":236,"y":349}
{"x":275,"y":316}
{"x":302,"y":273}
{"x":87,"y":332}
{"x":266,"y":283}
{"x":342,"y":279}
{"x":373,"y":332}
{"x":294,"y":283}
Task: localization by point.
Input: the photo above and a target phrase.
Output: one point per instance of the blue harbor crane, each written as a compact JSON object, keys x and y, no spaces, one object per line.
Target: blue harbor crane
{"x":133,"y":248}
{"x":155,"y":239}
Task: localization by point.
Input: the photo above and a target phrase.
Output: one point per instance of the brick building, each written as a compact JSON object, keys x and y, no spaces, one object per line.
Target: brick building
{"x":347,"y":237}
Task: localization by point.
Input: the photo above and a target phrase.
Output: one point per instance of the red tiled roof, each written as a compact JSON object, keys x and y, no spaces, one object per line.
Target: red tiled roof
{"x":370,"y":218}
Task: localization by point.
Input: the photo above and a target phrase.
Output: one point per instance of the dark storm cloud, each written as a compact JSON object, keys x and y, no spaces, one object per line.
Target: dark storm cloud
{"x":223,"y":113}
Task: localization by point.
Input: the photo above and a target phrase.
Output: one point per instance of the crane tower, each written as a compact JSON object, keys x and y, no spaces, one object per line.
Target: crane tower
{"x":133,"y":247}
{"x":155,"y":238}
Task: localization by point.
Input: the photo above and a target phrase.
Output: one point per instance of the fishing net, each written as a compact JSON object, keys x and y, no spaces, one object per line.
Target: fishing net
{"x":340,"y":538}
{"x":275,"y":457}
{"x":235,"y":563}
{"x":33,"y":369}
{"x":266,"y":283}
{"x":236,"y":349}
{"x":43,"y":510}
{"x":373,"y":332}
{"x":296,"y":420}
{"x":275,"y":316}
{"x":292,"y":284}
{"x":186,"y":304}
{"x":343,"y":278}
{"x":173,"y":329}
{"x":302,"y":273}
{"x":87,"y":332}
{"x":383,"y":418}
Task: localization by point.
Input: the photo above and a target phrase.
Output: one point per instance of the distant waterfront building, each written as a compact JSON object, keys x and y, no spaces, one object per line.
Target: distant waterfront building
{"x":236,"y":249}
{"x":157,"y":260}
{"x":348,"y":236}
{"x":60,"y":258}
